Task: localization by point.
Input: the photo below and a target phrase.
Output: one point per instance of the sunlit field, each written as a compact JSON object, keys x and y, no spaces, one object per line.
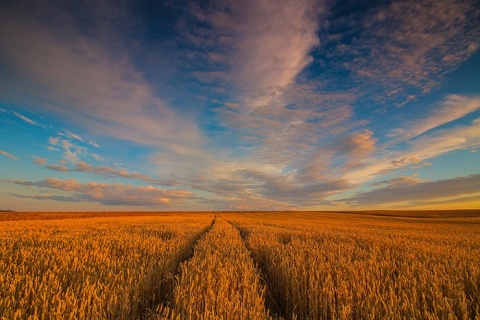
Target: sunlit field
{"x":264,"y":265}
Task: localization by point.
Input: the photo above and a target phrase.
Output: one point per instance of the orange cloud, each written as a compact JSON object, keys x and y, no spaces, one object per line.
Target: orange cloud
{"x":6,"y":154}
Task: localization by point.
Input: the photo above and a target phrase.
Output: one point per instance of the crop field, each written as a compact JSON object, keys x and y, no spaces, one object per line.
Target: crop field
{"x":255,"y":265}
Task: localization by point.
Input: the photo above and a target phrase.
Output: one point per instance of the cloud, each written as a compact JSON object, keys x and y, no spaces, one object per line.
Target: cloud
{"x":260,"y":48}
{"x":87,"y":78}
{"x":49,"y":197}
{"x":109,"y":172}
{"x":404,"y":45}
{"x":358,"y":144}
{"x":209,"y":76}
{"x":93,"y":143}
{"x":447,"y":140}
{"x":453,"y":107}
{"x":53,"y":141}
{"x":38,"y":160}
{"x":6,"y":154}
{"x":27,"y":120}
{"x":427,"y":145}
{"x":109,"y":194}
{"x":265,"y":43}
{"x":398,"y":182}
{"x":412,"y":190}
{"x":274,"y":45}
{"x":59,"y":168}
{"x":71,"y":151}
{"x":447,"y":201}
{"x":285,"y":188}
{"x":72,"y":135}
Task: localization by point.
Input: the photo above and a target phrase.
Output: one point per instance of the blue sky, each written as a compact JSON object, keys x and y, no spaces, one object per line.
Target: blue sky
{"x":239,"y":105}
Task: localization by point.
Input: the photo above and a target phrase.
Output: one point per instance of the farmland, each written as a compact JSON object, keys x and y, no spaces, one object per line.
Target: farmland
{"x":263,"y":265}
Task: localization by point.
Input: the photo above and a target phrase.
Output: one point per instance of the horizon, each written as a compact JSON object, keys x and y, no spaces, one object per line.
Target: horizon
{"x":209,"y":106}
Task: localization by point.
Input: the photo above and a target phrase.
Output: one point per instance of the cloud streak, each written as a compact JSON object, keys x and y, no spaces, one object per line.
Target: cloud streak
{"x":108,"y":194}
{"x":452,"y":108}
{"x":109,"y":172}
{"x":25,"y":119}
{"x":415,"y":141}
{"x":6,"y":154}
{"x":412,"y":190}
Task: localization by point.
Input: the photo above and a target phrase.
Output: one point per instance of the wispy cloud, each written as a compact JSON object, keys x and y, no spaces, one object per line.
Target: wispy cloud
{"x":426,"y":147}
{"x":27,"y":120}
{"x":48,"y":197}
{"x":72,"y":135}
{"x":264,"y":104}
{"x":56,"y":167}
{"x":93,"y":143}
{"x":109,"y":172}
{"x":8,"y":155}
{"x":357,"y":145}
{"x":285,"y":188}
{"x":72,"y":146}
{"x":405,"y":45}
{"x":108,"y":194}
{"x":266,"y":44}
{"x":453,"y":107}
{"x":39,"y":160}
{"x":106,"y":95}
{"x":422,"y":139}
{"x":413,"y":190}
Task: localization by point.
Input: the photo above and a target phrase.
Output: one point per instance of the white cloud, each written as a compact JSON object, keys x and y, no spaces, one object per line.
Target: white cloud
{"x":71,"y":151}
{"x":460,"y":137}
{"x":426,"y":147}
{"x":269,"y":44}
{"x":452,"y":108}
{"x":72,"y":135}
{"x":27,"y":120}
{"x":260,"y":48}
{"x":93,"y":143}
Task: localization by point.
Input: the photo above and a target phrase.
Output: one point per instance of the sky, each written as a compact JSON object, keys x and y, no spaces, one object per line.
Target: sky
{"x":239,"y":105}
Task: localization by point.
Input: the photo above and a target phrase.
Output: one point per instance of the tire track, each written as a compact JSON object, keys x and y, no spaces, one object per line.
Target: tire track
{"x":219,"y":281}
{"x":166,"y":296}
{"x":271,"y":302}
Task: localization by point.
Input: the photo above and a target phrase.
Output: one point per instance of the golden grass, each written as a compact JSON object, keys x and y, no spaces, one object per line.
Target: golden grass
{"x":367,"y":268}
{"x":91,"y":268}
{"x":306,"y":265}
{"x":220,"y":281}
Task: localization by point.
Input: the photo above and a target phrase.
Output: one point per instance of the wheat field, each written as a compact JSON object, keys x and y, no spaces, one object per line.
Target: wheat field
{"x":264,"y":265}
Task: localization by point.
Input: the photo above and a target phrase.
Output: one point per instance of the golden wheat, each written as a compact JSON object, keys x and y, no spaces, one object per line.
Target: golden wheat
{"x":313,"y":266}
{"x":98,"y":268}
{"x":383,"y":269}
{"x":220,"y":281}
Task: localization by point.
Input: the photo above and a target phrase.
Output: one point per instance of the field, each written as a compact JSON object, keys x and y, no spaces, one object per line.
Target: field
{"x":256,"y":265}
